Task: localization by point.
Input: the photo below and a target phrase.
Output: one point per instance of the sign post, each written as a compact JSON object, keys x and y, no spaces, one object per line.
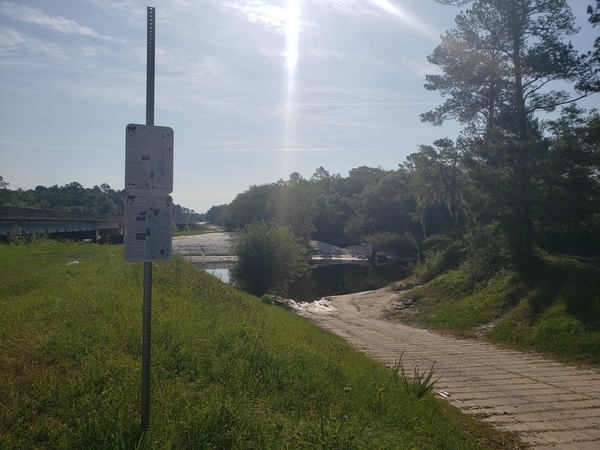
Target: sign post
{"x":148,"y":207}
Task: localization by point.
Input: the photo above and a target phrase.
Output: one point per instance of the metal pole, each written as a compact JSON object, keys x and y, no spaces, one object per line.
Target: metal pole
{"x":150,"y":65}
{"x":146,"y":333}
{"x":147,"y":306}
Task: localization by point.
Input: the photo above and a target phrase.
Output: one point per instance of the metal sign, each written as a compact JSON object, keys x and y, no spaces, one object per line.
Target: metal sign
{"x":148,"y":178}
{"x":148,"y":230}
{"x":148,"y":159}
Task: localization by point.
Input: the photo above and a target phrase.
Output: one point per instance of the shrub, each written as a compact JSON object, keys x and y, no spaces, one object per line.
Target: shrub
{"x":486,"y":254}
{"x":395,"y":242}
{"x":439,"y":254}
{"x":270,"y":257}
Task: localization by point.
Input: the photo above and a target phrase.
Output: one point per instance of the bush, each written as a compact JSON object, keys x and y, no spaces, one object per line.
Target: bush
{"x":486,"y":254}
{"x":440,"y":253}
{"x":395,"y":242}
{"x":270,"y":258}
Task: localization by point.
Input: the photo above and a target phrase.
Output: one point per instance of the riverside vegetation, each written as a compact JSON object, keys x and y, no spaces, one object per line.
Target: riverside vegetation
{"x":228,"y":370}
{"x":555,"y":312}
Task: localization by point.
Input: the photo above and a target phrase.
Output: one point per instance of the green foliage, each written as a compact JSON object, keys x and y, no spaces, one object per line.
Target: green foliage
{"x":439,"y":253}
{"x":591,"y":78}
{"x":257,"y":204}
{"x":405,"y":244}
{"x":399,"y":243}
{"x":70,"y":197}
{"x":73,"y":197}
{"x":560,"y":314}
{"x":453,"y":302}
{"x":354,"y":229}
{"x":183,"y":214}
{"x":557,"y":313}
{"x":420,"y":384}
{"x":570,"y":197}
{"x":485,"y":254}
{"x":16,"y":236}
{"x":268,"y":299}
{"x":295,"y":207}
{"x":387,"y":205}
{"x":213,"y":215}
{"x":228,"y":371}
{"x":269,"y":258}
{"x":439,"y":185}
{"x":510,"y":55}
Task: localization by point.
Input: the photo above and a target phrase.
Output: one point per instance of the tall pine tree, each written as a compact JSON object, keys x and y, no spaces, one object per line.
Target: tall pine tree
{"x":497,"y":69}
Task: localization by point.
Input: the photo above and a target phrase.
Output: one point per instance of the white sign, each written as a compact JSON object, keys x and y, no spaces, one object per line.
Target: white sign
{"x":148,"y":232}
{"x":148,"y":159}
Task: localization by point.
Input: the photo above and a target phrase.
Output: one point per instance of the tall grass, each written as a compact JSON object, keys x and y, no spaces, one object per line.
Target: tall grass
{"x":228,"y":371}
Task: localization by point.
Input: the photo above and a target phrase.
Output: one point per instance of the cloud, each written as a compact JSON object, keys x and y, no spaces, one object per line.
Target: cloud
{"x":356,"y":104}
{"x":55,"y":23}
{"x":263,"y":150}
{"x":262,"y":13}
{"x":18,"y":46}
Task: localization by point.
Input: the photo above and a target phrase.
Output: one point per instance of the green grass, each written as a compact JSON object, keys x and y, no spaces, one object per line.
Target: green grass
{"x":228,"y":371}
{"x":557,"y":314}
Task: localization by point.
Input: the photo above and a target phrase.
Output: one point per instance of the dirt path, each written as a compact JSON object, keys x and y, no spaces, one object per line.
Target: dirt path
{"x":551,"y":406}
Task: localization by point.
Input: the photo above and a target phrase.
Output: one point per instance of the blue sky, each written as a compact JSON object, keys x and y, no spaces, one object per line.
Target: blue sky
{"x":253,"y":89}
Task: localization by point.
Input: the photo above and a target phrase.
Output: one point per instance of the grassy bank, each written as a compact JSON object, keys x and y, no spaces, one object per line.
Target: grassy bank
{"x":557,"y":313}
{"x":228,"y":371}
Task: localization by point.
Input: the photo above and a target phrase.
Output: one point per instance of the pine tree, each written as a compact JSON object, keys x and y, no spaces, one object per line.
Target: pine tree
{"x":498,"y":66}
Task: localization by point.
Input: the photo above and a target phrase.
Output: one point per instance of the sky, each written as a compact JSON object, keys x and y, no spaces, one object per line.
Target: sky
{"x":253,"y":89}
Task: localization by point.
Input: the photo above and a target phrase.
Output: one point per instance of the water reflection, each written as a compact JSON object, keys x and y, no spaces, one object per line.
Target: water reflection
{"x":219,"y":270}
{"x":331,"y":279}
{"x":338,"y":279}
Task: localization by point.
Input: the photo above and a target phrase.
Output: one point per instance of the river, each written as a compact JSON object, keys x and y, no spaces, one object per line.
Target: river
{"x":334,"y":270}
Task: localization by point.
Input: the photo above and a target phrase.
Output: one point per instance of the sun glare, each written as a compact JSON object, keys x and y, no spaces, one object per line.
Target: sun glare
{"x":407,"y":19}
{"x":292,"y":35}
{"x":292,"y":31}
{"x":387,"y":6}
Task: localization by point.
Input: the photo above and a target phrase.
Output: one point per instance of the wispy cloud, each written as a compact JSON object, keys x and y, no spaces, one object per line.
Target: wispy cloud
{"x":262,"y":150}
{"x":16,"y":46}
{"x":358,"y":104}
{"x":55,"y":23}
{"x":262,"y":13}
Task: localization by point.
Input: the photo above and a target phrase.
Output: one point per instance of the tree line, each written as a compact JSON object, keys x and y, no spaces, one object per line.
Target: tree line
{"x":512,"y":183}
{"x":73,"y":197}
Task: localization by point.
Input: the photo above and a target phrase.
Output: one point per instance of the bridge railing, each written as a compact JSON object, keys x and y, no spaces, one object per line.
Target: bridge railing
{"x":96,"y":227}
{"x":32,"y":214}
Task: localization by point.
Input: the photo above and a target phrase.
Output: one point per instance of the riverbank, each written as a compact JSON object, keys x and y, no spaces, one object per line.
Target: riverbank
{"x":218,"y":248}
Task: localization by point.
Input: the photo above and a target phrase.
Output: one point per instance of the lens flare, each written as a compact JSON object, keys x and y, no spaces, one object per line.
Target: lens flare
{"x":292,"y":31}
{"x":292,"y":34}
{"x":407,"y":19}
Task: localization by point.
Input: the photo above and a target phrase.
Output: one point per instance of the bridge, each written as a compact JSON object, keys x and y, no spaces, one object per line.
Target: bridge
{"x":95,"y":227}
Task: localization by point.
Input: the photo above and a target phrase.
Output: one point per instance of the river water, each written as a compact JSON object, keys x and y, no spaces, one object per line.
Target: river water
{"x":331,"y":279}
{"x":344,"y":275}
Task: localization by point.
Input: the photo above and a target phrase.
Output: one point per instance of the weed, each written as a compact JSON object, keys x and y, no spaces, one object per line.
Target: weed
{"x":421,"y":383}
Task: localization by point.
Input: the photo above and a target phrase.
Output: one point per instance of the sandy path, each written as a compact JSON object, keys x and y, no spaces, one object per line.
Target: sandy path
{"x":549,"y":404}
